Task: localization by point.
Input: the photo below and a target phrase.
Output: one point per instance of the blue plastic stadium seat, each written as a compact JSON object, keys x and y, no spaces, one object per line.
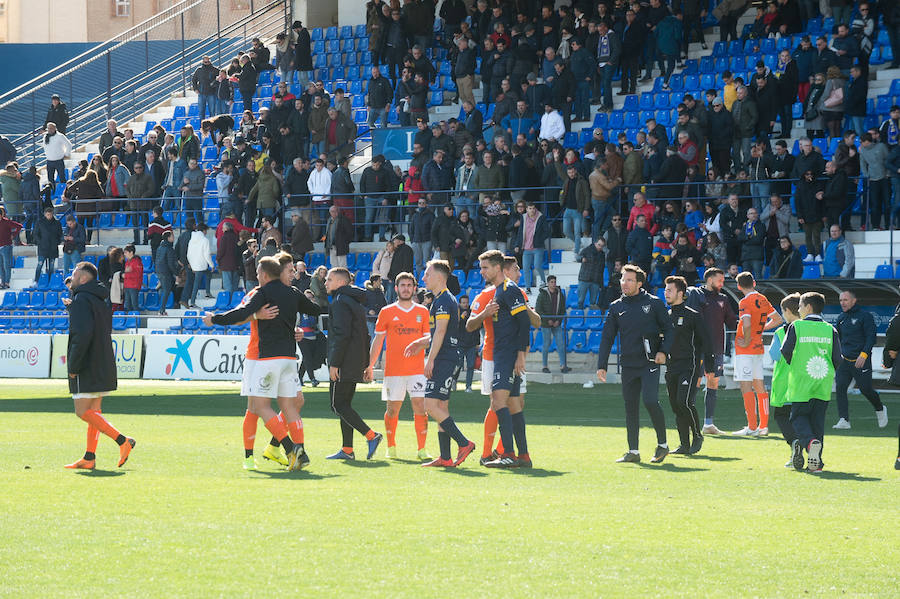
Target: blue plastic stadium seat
{"x":601,"y":120}
{"x":593,"y":320}
{"x":884,"y":271}
{"x":575,"y":321}
{"x":147,"y":261}
{"x":437,"y":98}
{"x":118,"y":321}
{"x":151,"y":301}
{"x":812,"y":271}
{"x":331,"y":33}
{"x":9,"y":300}
{"x":661,"y":101}
{"x":594,"y":341}
{"x":364,"y":260}
{"x":223,"y":300}
{"x":707,"y":65}
{"x":51,"y":300}
{"x":570,"y":140}
{"x":719,"y":49}
{"x":646,"y":101}
{"x":360,"y":31}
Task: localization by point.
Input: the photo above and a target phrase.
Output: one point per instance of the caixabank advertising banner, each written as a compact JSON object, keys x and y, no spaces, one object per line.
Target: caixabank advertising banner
{"x":195,"y":357}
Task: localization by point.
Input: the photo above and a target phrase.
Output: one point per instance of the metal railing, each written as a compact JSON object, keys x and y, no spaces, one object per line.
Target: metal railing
{"x":133,"y":72}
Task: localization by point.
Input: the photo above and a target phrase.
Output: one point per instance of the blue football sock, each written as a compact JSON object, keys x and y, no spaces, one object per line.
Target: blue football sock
{"x":506,"y":429}
{"x":444,"y":442}
{"x":518,"y":426}
{"x":451,"y":429}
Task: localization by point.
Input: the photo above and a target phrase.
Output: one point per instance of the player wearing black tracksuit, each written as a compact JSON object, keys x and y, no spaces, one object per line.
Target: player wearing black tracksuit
{"x":690,"y":344}
{"x":644,"y":329}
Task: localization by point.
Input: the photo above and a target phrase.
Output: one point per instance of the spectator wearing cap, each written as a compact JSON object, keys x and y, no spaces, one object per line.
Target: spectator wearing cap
{"x":372,"y":184}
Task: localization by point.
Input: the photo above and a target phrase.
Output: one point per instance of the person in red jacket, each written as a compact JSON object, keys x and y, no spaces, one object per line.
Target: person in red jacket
{"x":641,"y":206}
{"x":134,"y":277}
{"x":9,"y":232}
{"x":236,"y":225}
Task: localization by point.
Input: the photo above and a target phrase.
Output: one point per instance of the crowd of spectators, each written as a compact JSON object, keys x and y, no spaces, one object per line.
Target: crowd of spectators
{"x":711,"y":189}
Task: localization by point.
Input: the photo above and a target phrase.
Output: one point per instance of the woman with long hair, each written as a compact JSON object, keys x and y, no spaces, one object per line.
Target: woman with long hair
{"x":833,"y":103}
{"x":116,"y":179}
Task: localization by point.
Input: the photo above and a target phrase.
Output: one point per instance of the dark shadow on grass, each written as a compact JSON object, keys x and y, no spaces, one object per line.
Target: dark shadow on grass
{"x":367,"y":463}
{"x":100,"y":473}
{"x":464,"y":472}
{"x":831,"y":475}
{"x":538,"y":472}
{"x":670,"y":467}
{"x":299,"y":475}
{"x":713,"y":458}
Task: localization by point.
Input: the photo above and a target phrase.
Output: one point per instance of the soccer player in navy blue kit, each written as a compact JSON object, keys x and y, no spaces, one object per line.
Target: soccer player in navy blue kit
{"x":511,"y":331}
{"x":443,"y":359}
{"x":643,"y":323}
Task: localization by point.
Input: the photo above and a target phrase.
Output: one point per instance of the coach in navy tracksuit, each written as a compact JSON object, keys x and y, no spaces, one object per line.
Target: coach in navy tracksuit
{"x":645,"y":330}
{"x":856,"y":328}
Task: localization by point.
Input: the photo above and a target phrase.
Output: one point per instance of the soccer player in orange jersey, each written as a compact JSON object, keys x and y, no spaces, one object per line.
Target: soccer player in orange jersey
{"x":398,"y":325}
{"x":755,"y":315}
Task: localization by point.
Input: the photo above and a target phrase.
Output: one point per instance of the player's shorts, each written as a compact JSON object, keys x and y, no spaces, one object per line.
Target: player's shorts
{"x":719,"y":363}
{"x":748,"y":367}
{"x":487,"y":379}
{"x":505,"y":377}
{"x":442,"y":380}
{"x":395,"y":388}
{"x":270,"y":378}
{"x":91,"y":395}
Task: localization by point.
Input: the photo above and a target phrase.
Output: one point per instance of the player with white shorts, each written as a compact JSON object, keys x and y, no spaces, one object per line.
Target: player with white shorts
{"x":398,"y":325}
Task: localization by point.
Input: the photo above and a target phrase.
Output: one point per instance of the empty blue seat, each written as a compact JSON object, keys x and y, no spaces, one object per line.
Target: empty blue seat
{"x":347,"y":31}
{"x":691,"y":82}
{"x":575,"y":320}
{"x":189,"y":321}
{"x":61,"y":322}
{"x":437,"y":98}
{"x":884,"y":271}
{"x":593,"y":320}
{"x":151,"y":301}
{"x":594,"y":341}
{"x":37,"y":300}
{"x":601,"y":120}
{"x":570,"y":140}
{"x":331,"y":33}
{"x":364,"y":260}
{"x":9,"y":300}
{"x":51,"y":300}
{"x":333,"y":46}
{"x":617,"y":119}
{"x":578,"y":343}
{"x":236,"y":298}
{"x":767,"y":46}
{"x":812,"y":271}
{"x":474,"y":279}
{"x":223,"y":299}
{"x":707,"y":65}
{"x":661,"y":101}
{"x":147,"y":261}
{"x":631,"y":103}
{"x":631,"y":120}
{"x":719,"y":49}
{"x":360,"y":31}
{"x":118,"y":321}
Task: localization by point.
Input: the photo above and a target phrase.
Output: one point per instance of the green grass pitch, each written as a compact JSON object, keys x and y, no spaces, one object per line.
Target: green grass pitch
{"x":182,"y":519}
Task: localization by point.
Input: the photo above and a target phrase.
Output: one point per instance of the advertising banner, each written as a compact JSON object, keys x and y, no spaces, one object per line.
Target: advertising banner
{"x":195,"y":357}
{"x":395,"y":144}
{"x":128,"y":349}
{"x":24,"y":356}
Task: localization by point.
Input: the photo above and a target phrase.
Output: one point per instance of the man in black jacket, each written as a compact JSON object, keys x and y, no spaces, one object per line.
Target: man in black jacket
{"x":403,"y":259}
{"x":91,"y":363}
{"x":203,"y":82}
{"x":690,"y":345}
{"x":58,"y":114}
{"x":47,"y":237}
{"x":464,"y":70}
{"x":348,"y":356}
{"x":646,"y":337}
{"x":379,"y":98}
{"x":856,"y":329}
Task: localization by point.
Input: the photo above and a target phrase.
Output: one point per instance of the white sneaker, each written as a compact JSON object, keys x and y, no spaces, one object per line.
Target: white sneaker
{"x":711,"y":429}
{"x":882,"y":417}
{"x":818,"y":259}
{"x":763,"y":431}
{"x":745,"y":432}
{"x":843,"y":424}
{"x":588,"y":385}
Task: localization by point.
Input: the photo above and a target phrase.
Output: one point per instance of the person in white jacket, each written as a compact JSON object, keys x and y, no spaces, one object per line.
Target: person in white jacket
{"x":57,"y":148}
{"x":552,"y":126}
{"x":319,"y":182}
{"x":199,"y":259}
